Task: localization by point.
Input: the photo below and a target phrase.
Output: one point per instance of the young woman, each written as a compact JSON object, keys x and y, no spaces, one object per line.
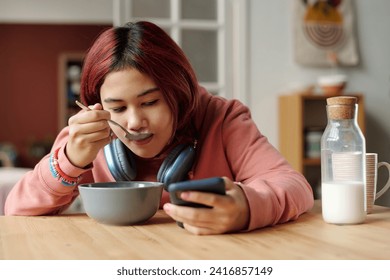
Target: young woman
{"x":138,"y":76}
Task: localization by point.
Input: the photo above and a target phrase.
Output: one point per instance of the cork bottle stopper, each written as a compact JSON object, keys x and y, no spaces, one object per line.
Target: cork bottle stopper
{"x":341,"y":107}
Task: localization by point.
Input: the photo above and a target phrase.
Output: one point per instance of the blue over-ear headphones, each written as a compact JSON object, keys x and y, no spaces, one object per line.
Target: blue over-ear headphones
{"x":175,"y":168}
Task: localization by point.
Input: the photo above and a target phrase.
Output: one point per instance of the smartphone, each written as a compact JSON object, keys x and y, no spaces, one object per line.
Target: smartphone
{"x":212,"y":185}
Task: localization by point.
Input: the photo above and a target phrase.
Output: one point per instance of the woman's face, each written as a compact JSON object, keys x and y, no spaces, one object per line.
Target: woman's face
{"x":135,"y":102}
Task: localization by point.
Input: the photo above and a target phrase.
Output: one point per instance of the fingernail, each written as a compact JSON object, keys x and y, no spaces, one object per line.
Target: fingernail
{"x":184,"y":195}
{"x":167,"y":207}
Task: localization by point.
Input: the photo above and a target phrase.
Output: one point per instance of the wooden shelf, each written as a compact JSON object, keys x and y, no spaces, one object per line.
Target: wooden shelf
{"x":312,"y":161}
{"x":67,"y":92}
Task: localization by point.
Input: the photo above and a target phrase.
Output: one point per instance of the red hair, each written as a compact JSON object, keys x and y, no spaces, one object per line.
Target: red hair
{"x":147,"y":48}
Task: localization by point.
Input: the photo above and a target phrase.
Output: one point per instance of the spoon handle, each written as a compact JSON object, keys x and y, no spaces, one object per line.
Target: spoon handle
{"x":128,"y":135}
{"x":82,"y":106}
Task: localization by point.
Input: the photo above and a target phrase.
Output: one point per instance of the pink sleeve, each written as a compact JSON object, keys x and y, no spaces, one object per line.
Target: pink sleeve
{"x":276,"y":193}
{"x":39,"y":192}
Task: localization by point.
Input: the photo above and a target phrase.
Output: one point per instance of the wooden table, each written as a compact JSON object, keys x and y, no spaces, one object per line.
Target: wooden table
{"x":79,"y":237}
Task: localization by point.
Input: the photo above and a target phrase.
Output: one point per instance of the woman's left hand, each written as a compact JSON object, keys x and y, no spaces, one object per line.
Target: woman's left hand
{"x":229,"y":213}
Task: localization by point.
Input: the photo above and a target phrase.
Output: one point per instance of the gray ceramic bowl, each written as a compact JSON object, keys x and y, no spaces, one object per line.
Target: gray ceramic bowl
{"x":121,"y":203}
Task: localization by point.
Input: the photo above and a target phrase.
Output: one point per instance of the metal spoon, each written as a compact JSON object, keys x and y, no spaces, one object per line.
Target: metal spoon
{"x":128,"y":135}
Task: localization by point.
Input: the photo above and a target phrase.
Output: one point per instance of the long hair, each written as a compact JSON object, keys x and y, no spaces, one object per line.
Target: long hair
{"x":147,"y":48}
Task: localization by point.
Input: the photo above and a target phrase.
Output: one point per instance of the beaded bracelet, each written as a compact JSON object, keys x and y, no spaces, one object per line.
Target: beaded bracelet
{"x":58,"y":173}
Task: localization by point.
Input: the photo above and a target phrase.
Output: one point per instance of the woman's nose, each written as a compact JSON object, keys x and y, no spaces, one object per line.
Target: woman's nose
{"x":135,"y":120}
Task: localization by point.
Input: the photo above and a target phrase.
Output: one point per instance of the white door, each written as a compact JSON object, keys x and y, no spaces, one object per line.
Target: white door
{"x":212,"y":33}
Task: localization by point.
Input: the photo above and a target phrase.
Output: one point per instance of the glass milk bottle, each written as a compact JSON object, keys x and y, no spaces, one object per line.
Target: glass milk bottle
{"x":343,"y":164}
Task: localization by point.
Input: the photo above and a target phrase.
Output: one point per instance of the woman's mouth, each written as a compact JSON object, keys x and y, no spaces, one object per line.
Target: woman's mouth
{"x":141,"y":139}
{"x":138,"y":137}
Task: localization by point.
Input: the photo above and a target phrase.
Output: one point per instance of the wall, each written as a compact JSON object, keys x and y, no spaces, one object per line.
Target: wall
{"x":28,"y":110}
{"x":273,"y":69}
{"x":56,"y":11}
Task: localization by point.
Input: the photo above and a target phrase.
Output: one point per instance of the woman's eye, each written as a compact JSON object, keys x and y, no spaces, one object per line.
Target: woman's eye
{"x":150,"y":103}
{"x":118,"y":109}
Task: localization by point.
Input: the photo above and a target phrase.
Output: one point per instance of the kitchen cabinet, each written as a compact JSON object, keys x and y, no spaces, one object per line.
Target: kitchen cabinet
{"x":299,"y":116}
{"x":69,"y":72}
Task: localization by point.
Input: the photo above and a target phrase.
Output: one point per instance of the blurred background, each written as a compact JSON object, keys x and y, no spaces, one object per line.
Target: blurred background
{"x":252,"y":50}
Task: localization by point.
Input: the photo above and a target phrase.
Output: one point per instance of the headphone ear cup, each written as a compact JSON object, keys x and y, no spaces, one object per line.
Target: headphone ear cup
{"x":120,"y":161}
{"x":176,"y":166}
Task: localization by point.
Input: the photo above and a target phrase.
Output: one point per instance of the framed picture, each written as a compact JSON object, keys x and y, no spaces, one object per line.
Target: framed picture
{"x":324,"y":33}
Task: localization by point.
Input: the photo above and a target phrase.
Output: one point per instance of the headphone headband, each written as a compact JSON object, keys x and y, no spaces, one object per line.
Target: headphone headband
{"x":175,"y":168}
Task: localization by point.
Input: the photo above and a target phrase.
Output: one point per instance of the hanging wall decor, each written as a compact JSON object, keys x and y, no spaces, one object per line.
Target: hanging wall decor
{"x":324,"y":33}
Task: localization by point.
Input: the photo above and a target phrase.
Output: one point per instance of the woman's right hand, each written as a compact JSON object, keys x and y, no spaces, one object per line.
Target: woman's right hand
{"x":88,"y":133}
